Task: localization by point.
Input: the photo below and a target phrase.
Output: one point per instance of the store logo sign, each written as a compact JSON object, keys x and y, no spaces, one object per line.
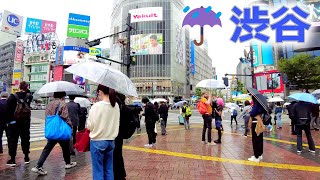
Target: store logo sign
{"x":13,"y":20}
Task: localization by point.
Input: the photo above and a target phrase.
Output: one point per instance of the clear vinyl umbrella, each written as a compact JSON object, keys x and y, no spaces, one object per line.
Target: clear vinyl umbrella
{"x":84,"y":102}
{"x":105,"y":75}
{"x":158,"y":100}
{"x":49,"y":89}
{"x":211,"y":84}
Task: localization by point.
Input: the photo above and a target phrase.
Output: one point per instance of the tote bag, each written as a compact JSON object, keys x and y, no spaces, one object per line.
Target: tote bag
{"x":83,"y":141}
{"x":56,"y":128}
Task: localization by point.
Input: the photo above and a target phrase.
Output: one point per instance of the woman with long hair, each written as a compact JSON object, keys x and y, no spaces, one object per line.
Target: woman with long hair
{"x":103,"y":123}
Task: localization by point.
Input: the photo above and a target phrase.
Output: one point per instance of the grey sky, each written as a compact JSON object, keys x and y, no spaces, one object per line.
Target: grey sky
{"x":225,"y":54}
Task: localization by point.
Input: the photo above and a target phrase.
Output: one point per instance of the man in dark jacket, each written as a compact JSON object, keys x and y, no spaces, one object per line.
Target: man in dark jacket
{"x":4,"y":116}
{"x":163,"y":112}
{"x":302,"y":116}
{"x":18,"y":127}
{"x":290,"y":112}
{"x":73,"y":112}
{"x":150,"y":120}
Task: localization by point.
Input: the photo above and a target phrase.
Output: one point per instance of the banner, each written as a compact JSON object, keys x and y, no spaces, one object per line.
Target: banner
{"x":78,"y":19}
{"x":19,"y":52}
{"x":146,"y":14}
{"x":48,"y":26}
{"x":79,"y":81}
{"x":78,"y":31}
{"x":33,"y":25}
{"x":11,"y":23}
{"x":58,"y":73}
{"x":95,"y":51}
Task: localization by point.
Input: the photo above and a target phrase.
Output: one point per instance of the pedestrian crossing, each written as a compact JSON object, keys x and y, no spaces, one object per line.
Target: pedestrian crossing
{"x":36,"y":134}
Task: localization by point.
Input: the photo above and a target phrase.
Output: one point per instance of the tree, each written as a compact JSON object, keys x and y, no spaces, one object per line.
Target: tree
{"x":198,"y":92}
{"x":302,"y":70}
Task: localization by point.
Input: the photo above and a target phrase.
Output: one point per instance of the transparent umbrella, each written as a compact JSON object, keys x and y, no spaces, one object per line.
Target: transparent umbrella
{"x":84,"y":102}
{"x":105,"y":75}
{"x":48,"y":89}
{"x":211,"y":84}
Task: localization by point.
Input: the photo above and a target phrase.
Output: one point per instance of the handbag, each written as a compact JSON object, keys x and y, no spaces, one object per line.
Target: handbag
{"x":83,"y":141}
{"x":218,"y":124}
{"x":56,"y":128}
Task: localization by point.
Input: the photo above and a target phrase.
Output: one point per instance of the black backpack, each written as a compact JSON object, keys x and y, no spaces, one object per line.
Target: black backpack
{"x":184,"y":109}
{"x":129,"y":119}
{"x":23,"y":110}
{"x":266,"y":118}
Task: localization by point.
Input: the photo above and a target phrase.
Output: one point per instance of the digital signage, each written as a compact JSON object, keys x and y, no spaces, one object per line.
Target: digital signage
{"x":144,"y":44}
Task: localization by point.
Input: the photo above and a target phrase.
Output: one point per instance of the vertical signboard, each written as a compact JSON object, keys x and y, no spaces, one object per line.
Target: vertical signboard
{"x":192,"y":63}
{"x":267,"y":54}
{"x":19,"y":52}
{"x":33,"y":25}
{"x":59,"y":56}
{"x":58,"y":73}
{"x":48,"y":26}
{"x":11,"y":23}
{"x":78,"y":26}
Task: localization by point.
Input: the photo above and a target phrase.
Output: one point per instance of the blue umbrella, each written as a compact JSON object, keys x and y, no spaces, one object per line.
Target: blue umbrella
{"x":305,"y":97}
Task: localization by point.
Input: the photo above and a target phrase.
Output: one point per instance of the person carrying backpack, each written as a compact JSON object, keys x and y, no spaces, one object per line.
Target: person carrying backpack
{"x":234,"y":114}
{"x":19,"y":116}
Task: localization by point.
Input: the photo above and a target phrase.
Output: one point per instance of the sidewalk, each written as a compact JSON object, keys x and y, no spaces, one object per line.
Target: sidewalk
{"x":181,"y":155}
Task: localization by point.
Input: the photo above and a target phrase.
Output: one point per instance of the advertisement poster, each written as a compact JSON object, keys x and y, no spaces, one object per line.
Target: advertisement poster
{"x":11,"y":23}
{"x":33,"y":25}
{"x":19,"y":52}
{"x":58,"y":73}
{"x":72,"y":57}
{"x":48,"y":26}
{"x":78,"y":26}
{"x":146,"y":14}
{"x":264,"y":82}
{"x":78,"y":80}
{"x":144,"y":44}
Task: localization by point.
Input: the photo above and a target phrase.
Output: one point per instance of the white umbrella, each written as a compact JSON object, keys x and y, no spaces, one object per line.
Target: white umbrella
{"x":319,"y":101}
{"x":232,"y":105}
{"x":316,"y":93}
{"x":211,"y":84}
{"x":287,"y":103}
{"x":84,"y":102}
{"x":180,"y":103}
{"x":48,"y":89}
{"x":275,"y":99}
{"x":105,"y":75}
{"x":158,"y":100}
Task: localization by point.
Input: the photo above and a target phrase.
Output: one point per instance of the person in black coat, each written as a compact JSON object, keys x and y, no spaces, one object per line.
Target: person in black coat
{"x":290,"y":112}
{"x":150,"y":120}
{"x":82,"y":118}
{"x":4,"y":116}
{"x":163,"y":112}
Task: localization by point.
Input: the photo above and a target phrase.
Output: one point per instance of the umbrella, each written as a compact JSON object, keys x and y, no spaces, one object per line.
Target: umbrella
{"x":275,"y":99}
{"x":220,"y":102}
{"x":242,"y":97}
{"x":48,"y":89}
{"x":260,"y":98}
{"x":158,"y":100}
{"x":305,"y":97}
{"x":232,"y":105}
{"x":105,"y":75}
{"x":287,"y":103}
{"x":211,"y":84}
{"x":180,"y":103}
{"x":84,"y":102}
{"x":316,"y":93}
{"x":319,"y":101}
{"x":201,"y":16}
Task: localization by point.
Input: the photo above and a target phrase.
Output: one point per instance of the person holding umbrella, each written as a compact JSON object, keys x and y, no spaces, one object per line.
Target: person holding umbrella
{"x":256,"y":124}
{"x":150,"y":118}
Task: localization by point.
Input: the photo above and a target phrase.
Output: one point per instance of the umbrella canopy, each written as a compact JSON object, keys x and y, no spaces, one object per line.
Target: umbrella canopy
{"x":180,"y":103}
{"x":275,"y":99}
{"x":84,"y":102}
{"x":232,"y":105}
{"x":211,"y":84}
{"x":220,"y":102}
{"x":260,"y":98}
{"x":305,"y":97}
{"x":49,"y":89}
{"x":105,"y":75}
{"x":287,"y":103}
{"x":158,"y":100}
{"x":316,"y":93}
{"x":319,"y":101}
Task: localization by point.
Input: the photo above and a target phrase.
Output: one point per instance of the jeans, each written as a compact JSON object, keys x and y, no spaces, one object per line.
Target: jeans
{"x":102,"y":159}
{"x":257,"y":141}
{"x":315,"y":122}
{"x":118,"y":163}
{"x":246,"y":122}
{"x":306,"y":129}
{"x":48,"y":148}
{"x":164,"y":125}
{"x":219,"y":130}
{"x":235,"y":119}
{"x":279,"y":122}
{"x":207,"y":124}
{"x":3,"y":127}
{"x":14,"y":131}
{"x":186,"y":122}
{"x":150,"y":131}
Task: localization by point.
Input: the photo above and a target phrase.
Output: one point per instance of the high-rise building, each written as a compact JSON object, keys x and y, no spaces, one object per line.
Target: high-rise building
{"x":159,"y":43}
{"x":7,"y":55}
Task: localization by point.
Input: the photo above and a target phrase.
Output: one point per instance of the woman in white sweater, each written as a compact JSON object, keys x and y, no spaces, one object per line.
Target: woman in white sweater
{"x":103,"y":123}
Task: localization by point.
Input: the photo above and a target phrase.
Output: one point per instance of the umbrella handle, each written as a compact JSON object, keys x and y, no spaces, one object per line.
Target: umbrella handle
{"x":201,"y":38}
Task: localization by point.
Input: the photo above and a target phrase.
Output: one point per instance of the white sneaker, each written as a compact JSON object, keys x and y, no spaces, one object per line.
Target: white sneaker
{"x":212,"y":144}
{"x":39,"y":170}
{"x":260,"y":158}
{"x":71,"y":165}
{"x":311,"y":151}
{"x":154,"y":144}
{"x":254,"y":159}
{"x":148,"y":145}
{"x":203,"y":142}
{"x":299,"y":152}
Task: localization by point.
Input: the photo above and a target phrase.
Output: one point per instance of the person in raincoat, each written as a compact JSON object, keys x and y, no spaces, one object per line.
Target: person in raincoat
{"x":186,"y":114}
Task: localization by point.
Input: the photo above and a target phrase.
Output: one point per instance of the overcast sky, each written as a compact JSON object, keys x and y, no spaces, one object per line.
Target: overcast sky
{"x":224,"y":53}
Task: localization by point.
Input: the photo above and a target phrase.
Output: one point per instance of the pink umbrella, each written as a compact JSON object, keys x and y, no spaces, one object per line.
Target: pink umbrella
{"x":220,"y":102}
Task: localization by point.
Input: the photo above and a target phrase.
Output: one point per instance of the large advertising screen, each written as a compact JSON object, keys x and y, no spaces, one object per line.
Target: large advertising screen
{"x":312,"y":7}
{"x":146,"y":14}
{"x":144,"y":44}
{"x":269,"y":80}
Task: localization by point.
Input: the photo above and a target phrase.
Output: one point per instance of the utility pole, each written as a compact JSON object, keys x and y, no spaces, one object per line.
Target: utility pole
{"x":128,"y":44}
{"x":252,"y":67}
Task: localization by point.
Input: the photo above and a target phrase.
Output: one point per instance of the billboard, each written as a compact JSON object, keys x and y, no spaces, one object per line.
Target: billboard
{"x":146,"y":14}
{"x":266,"y":81}
{"x":80,"y":81}
{"x":40,"y":43}
{"x":256,"y":60}
{"x":33,"y":25}
{"x":11,"y":23}
{"x":144,"y":44}
{"x":58,"y":73}
{"x":312,"y":7}
{"x":95,"y":51}
{"x":267,"y":54}
{"x":48,"y":26}
{"x":192,"y":63}
{"x":19,"y":52}
{"x":72,"y":57}
{"x":78,"y":26}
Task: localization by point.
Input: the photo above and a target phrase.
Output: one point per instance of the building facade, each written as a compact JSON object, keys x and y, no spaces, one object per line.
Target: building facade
{"x":7,"y":56}
{"x":159,"y":43}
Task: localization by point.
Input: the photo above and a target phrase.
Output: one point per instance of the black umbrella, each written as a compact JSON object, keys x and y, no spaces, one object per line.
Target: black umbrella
{"x":260,"y":98}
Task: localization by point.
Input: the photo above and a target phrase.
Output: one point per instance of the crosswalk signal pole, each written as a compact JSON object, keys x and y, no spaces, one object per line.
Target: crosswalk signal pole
{"x":128,"y":45}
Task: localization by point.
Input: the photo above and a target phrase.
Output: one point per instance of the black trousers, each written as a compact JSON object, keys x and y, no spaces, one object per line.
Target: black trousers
{"x":257,"y":142}
{"x":119,"y":170}
{"x":48,"y":148}
{"x":293,"y":126}
{"x":3,"y":127}
{"x":20,"y":129}
{"x":74,"y":133}
{"x":82,"y":124}
{"x":219,"y":131}
{"x":207,"y":124}
{"x":150,"y":131}
{"x":235,"y":119}
{"x":306,"y":129}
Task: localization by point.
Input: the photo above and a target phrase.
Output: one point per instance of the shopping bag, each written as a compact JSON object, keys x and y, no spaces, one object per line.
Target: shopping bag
{"x":83,"y":141}
{"x":181,"y":120}
{"x":56,"y":128}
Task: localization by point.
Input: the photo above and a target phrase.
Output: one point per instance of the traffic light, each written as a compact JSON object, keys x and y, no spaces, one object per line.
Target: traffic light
{"x":225,"y":81}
